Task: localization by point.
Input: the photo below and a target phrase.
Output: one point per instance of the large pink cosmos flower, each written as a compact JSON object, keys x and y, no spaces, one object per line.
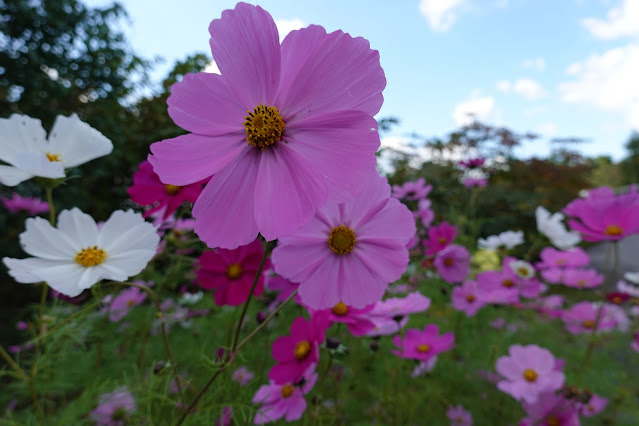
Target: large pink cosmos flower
{"x":282,"y":130}
{"x":147,"y":189}
{"x":297,"y":351}
{"x":604,"y":216}
{"x":231,"y":273}
{"x":284,"y":400}
{"x":423,"y":345}
{"x":349,"y":252}
{"x":528,"y":372}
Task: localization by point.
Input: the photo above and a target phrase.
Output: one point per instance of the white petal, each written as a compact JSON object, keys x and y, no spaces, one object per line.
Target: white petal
{"x":76,"y":141}
{"x":61,"y":276}
{"x":20,"y":133}
{"x":79,"y":227}
{"x":125,"y":231}
{"x":21,"y":270}
{"x":43,"y":240}
{"x":129,"y":263}
{"x":38,"y":164}
{"x":12,"y":176}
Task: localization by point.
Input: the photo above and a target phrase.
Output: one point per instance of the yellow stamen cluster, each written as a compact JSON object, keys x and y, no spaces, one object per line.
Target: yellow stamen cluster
{"x":342,"y":239}
{"x":302,"y":350}
{"x":340,"y":309}
{"x":172,"y":189}
{"x":448,"y":261}
{"x":90,"y":256}
{"x":524,"y":272}
{"x":423,"y":348}
{"x":234,"y":271}
{"x":264,"y":126}
{"x":553,"y":421}
{"x":530,"y":375}
{"x":287,"y":390}
{"x":508,"y":283}
{"x":589,"y":324}
{"x":613,"y":230}
{"x":470,"y":298}
{"x":54,"y":157}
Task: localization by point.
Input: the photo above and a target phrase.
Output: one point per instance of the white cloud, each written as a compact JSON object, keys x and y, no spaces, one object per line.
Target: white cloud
{"x":538,"y":64}
{"x":478,"y":107}
{"x":525,"y":87}
{"x":440,"y":14}
{"x":284,"y":26}
{"x":607,"y":81}
{"x":547,"y":130}
{"x":620,"y":21}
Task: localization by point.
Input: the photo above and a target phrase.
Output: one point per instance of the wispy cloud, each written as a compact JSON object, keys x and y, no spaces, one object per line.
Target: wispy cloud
{"x":525,"y":87}
{"x":440,"y":14}
{"x":477,"y":107}
{"x":620,"y":21}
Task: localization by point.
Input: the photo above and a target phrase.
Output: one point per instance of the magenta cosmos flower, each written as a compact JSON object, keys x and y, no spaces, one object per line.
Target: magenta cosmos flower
{"x":282,"y":130}
{"x":423,"y":345}
{"x":124,"y":301}
{"x":605,"y":216}
{"x":439,"y":237}
{"x":231,"y":273}
{"x":147,"y":189}
{"x":297,"y":351}
{"x":458,"y":416}
{"x":357,"y":321}
{"x":33,"y":206}
{"x":349,"y":252}
{"x":528,"y":372}
{"x":284,"y":400}
{"x":551,"y":409}
{"x":242,"y":375}
{"x":467,"y":298}
{"x":582,"y":318}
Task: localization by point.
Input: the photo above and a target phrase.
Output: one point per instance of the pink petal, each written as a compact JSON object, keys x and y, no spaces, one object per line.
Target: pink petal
{"x":322,"y":289}
{"x":288,"y":192}
{"x":202,"y":103}
{"x":245,"y":47}
{"x":327,"y":73}
{"x":191,"y":158}
{"x":224,"y":213}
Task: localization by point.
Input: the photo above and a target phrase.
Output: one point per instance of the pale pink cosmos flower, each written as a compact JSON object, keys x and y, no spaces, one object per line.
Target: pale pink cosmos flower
{"x":277,"y":283}
{"x":394,"y":307}
{"x":281,"y":130}
{"x":604,"y":216}
{"x":471,"y":182}
{"x":553,"y":258}
{"x":412,"y":190}
{"x":423,"y":345}
{"x":595,"y":405}
{"x":424,"y":367}
{"x":349,"y":252}
{"x":32,"y":206}
{"x":242,"y":375}
{"x":284,"y":400}
{"x":425,"y":213}
{"x":466,"y":298}
{"x":528,"y":372}
{"x":115,"y":408}
{"x":634,"y":345}
{"x":124,"y":302}
{"x":550,"y":409}
{"x":453,"y":263}
{"x":582,"y":278}
{"x":459,"y":416}
{"x":582,"y":318}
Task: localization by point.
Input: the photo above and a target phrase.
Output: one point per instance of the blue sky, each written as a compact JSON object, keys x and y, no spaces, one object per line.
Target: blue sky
{"x":561,"y":68}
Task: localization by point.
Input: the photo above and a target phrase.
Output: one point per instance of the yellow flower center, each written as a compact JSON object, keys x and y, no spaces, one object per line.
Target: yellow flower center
{"x":54,"y":157}
{"x":287,"y":390}
{"x":582,"y":283}
{"x":90,"y":256}
{"x":589,"y":324}
{"x":172,"y":189}
{"x":617,"y":300}
{"x":423,"y":348}
{"x":264,"y":126}
{"x":448,"y":261}
{"x":553,"y":421}
{"x":340,"y":309}
{"x":302,"y":349}
{"x":130,"y":303}
{"x":523,"y":271}
{"x":613,"y":230}
{"x":508,"y":283}
{"x":234,"y":271}
{"x":341,"y":239}
{"x":470,"y":298}
{"x":441,"y":240}
{"x":561,"y":261}
{"x":530,"y":375}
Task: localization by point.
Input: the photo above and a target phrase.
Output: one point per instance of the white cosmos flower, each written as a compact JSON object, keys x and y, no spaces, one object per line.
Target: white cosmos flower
{"x":552,"y":227}
{"x":27,"y":152}
{"x":76,"y":255}
{"x":508,"y":239}
{"x":522,"y":269}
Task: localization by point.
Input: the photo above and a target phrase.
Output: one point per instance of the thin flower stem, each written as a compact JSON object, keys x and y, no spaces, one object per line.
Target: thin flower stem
{"x":238,"y":328}
{"x":66,"y":321}
{"x":13,"y":364}
{"x":49,"y":192}
{"x":43,"y":300}
{"x":36,"y":402}
{"x":165,"y":335}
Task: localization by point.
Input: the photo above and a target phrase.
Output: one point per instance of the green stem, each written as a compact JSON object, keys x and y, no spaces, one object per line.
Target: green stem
{"x":49,"y":192}
{"x":165,"y":335}
{"x":13,"y":364}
